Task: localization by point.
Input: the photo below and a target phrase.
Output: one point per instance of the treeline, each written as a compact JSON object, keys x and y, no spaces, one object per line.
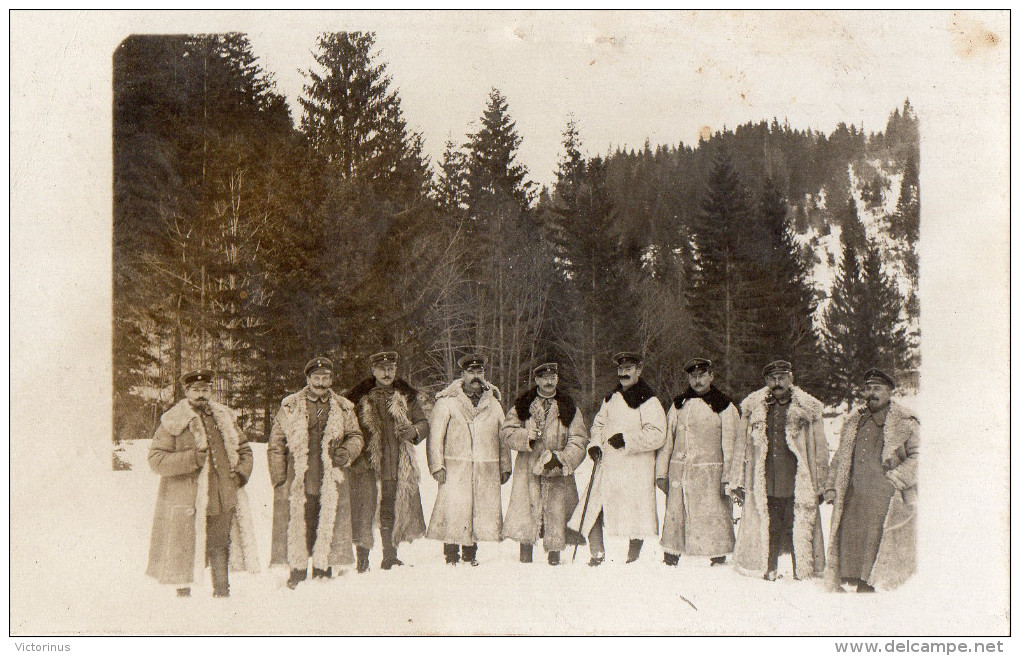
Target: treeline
{"x":248,"y":243}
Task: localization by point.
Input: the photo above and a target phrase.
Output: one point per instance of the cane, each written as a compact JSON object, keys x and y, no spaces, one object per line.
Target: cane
{"x":587,"y":495}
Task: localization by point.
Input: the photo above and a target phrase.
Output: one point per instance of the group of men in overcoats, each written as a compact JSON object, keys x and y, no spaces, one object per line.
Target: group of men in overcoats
{"x":340,"y":463}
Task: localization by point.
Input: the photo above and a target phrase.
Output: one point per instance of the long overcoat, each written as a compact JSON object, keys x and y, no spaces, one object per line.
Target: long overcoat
{"x":404,"y":409}
{"x":464,"y":440}
{"x":623,"y":487}
{"x":287,"y":456}
{"x":805,"y":435}
{"x":897,"y":551}
{"x":542,"y":502}
{"x":177,"y":546}
{"x":695,"y":460}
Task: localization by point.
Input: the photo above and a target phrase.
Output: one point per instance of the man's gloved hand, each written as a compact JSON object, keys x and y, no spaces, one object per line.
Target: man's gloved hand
{"x":239,"y":480}
{"x":340,"y":458}
{"x":895,"y":479}
{"x":554,"y":463}
{"x":829,"y":496}
{"x":440,"y":476}
{"x":595,"y":452}
{"x":407,"y":433}
{"x":531,"y":443}
{"x":200,"y":456}
{"x":616,"y":441}
{"x":662,"y":484}
{"x":738,"y":495}
{"x":504,"y":477}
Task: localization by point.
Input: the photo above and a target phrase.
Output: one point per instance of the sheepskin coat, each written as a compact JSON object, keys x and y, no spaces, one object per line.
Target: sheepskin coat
{"x":540,"y":502}
{"x":695,"y":461}
{"x":401,"y":407}
{"x":287,"y":456}
{"x":805,"y":435}
{"x":177,"y":547}
{"x":897,"y":551}
{"x":623,"y":487}
{"x":464,"y":440}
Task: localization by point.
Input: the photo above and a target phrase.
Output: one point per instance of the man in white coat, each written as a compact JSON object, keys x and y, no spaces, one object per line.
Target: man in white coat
{"x":469,"y":463}
{"x":628,"y":428}
{"x":692,"y":469}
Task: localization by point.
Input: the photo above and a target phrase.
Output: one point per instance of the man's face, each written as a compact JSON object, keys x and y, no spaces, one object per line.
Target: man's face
{"x":546,"y":382}
{"x":700,"y":380}
{"x":780,"y":383}
{"x":474,"y":378}
{"x":198,"y":394}
{"x":628,"y":373}
{"x":319,"y":382}
{"x":877,"y":395}
{"x":385,"y":373}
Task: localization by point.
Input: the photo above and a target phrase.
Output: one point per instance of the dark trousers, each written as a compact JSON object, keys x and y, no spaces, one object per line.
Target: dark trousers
{"x":597,"y":541}
{"x":596,"y":538}
{"x":387,"y":515}
{"x":780,"y":529}
{"x":217,"y":531}
{"x":311,"y":520}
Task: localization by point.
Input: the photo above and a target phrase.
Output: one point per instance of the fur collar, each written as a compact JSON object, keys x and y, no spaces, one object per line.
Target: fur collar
{"x":713,"y":397}
{"x":456,"y":388}
{"x":802,"y":406}
{"x":335,"y":400}
{"x":177,"y":418}
{"x":895,"y":431}
{"x":566,"y":405}
{"x":364,"y":387}
{"x":636,"y":395}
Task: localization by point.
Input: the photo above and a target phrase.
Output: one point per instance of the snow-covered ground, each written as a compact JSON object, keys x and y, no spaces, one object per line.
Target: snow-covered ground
{"x":87,"y":575}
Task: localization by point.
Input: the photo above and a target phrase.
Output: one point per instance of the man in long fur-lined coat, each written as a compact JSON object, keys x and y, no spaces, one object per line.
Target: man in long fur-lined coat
{"x":315,"y":437}
{"x":873,"y":482}
{"x":693,"y":466}
{"x":780,"y":467}
{"x":546,"y":429}
{"x":625,"y":433}
{"x":467,"y":460}
{"x":202,"y":512}
{"x":386,"y":475}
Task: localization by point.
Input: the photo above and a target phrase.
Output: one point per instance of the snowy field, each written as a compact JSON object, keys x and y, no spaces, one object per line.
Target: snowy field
{"x":97,"y":584}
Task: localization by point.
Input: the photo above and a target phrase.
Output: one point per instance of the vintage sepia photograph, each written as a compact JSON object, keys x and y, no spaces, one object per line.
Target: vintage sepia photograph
{"x":516,"y":323}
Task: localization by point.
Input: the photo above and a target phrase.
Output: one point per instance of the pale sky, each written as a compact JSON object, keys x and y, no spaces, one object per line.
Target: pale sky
{"x":627,"y":77}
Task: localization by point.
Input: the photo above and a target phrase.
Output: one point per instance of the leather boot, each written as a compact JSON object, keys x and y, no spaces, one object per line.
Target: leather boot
{"x":296,"y":576}
{"x":671,"y":559}
{"x":718,"y":560}
{"x":596,"y":560}
{"x":362,"y":560}
{"x":218,"y":560}
{"x":452,"y":553}
{"x":322,"y":573}
{"x":635,"y":549}
{"x":554,"y":558}
{"x":527,"y":552}
{"x":389,"y":551}
{"x":183,"y":592}
{"x":469,"y":554}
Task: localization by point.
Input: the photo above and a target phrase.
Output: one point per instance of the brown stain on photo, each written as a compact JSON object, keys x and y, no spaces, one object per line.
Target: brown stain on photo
{"x":971,"y":37}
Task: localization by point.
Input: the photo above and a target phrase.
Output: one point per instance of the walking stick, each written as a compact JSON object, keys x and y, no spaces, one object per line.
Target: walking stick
{"x":587,"y":495}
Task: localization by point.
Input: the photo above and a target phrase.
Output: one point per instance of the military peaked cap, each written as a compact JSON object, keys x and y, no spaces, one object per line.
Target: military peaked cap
{"x":197,"y":376}
{"x":627,"y":356}
{"x":874,"y":375}
{"x":316,"y":364}
{"x":383,"y":358}
{"x":546,"y":367}
{"x":472,"y":360}
{"x":697,"y":363}
{"x":777,"y":367}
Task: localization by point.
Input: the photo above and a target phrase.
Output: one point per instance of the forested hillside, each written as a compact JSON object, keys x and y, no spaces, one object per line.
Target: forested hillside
{"x":248,"y":239}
